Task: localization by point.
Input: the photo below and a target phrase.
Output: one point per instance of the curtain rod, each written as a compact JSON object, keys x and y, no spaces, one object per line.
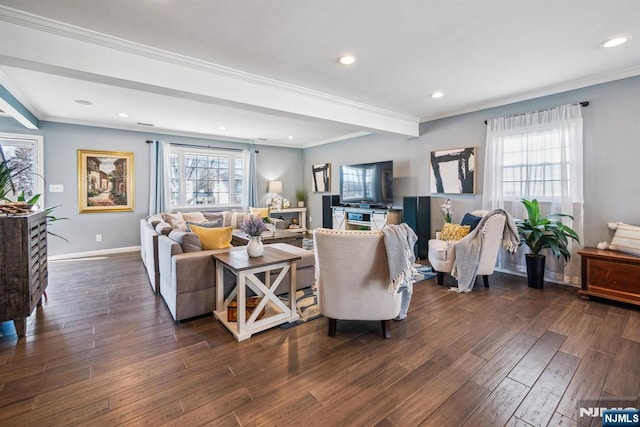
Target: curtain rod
{"x":582,"y":104}
{"x":150,"y":141}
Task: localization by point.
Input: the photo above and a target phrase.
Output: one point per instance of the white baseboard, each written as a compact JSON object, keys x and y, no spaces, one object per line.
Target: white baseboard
{"x":90,"y":254}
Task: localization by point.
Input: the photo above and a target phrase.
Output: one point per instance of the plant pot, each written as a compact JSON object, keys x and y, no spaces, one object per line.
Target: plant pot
{"x":535,"y":270}
{"x":301,"y":204}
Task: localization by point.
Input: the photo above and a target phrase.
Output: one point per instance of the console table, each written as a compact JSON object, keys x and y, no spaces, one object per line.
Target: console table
{"x":247,"y":271}
{"x":610,"y":274}
{"x":302,"y":218}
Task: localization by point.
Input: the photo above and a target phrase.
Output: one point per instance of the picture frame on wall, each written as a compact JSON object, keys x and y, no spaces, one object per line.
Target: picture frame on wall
{"x":105,"y":181}
{"x":453,"y":171}
{"x":321,"y":177}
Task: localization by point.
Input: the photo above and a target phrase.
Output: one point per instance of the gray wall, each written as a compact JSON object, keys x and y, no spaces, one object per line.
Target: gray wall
{"x":61,"y":142}
{"x":611,"y":171}
{"x":611,"y":155}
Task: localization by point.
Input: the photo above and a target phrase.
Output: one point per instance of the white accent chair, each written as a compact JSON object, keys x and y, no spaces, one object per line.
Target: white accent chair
{"x":441,"y":253}
{"x":352,"y":276}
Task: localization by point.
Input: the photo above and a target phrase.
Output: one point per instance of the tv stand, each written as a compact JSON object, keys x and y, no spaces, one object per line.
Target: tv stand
{"x":347,"y":218}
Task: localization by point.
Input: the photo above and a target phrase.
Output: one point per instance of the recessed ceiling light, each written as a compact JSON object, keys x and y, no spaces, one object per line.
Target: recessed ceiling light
{"x":437,"y":94}
{"x":222,"y":128}
{"x":347,"y":59}
{"x":617,"y":41}
{"x":123,"y":115}
{"x":83,"y":102}
{"x":290,"y":137}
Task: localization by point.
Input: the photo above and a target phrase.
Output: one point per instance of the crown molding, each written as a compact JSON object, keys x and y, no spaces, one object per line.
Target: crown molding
{"x":51,"y":26}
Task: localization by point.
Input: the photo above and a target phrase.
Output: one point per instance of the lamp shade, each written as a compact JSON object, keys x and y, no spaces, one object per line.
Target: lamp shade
{"x":275,"y":187}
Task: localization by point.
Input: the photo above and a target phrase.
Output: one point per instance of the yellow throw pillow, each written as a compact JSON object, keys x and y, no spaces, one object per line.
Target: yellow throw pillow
{"x":454,"y":231}
{"x":213,"y":238}
{"x":262,"y":212}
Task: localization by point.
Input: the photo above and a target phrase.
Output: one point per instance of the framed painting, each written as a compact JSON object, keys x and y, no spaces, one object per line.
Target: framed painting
{"x":321,"y":177}
{"x":105,"y":181}
{"x":453,"y":171}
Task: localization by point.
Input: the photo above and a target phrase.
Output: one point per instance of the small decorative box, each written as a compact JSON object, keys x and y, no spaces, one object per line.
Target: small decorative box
{"x":252,"y":303}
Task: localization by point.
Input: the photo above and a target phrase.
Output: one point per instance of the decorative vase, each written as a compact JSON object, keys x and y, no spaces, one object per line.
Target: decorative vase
{"x":535,"y":270}
{"x":255,"y":247}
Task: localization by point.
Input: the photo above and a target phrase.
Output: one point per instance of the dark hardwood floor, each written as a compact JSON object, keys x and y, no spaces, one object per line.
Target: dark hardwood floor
{"x":103,"y":350}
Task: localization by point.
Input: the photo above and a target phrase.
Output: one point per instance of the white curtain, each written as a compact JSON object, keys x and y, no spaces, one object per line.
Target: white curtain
{"x":250,"y":159}
{"x":537,"y":155}
{"x":159,"y":177}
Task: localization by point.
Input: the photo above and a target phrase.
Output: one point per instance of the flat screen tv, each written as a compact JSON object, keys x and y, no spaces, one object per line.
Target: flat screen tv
{"x":367,"y":184}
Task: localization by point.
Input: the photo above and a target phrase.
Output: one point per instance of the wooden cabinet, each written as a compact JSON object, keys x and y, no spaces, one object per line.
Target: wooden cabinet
{"x":23,"y":266}
{"x":610,"y":274}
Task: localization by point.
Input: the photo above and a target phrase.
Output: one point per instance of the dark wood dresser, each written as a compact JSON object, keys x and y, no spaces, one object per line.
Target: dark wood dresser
{"x":610,"y":274}
{"x":23,"y":266}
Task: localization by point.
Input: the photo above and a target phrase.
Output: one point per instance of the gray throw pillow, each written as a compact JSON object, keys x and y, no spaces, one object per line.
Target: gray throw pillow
{"x":164,"y":228}
{"x":212,"y":224}
{"x":190,"y":242}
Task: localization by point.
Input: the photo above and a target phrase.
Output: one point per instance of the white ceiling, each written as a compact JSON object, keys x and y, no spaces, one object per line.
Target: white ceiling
{"x":267,"y":69}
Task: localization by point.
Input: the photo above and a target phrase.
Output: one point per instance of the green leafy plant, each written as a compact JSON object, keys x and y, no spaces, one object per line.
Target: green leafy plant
{"x":7,"y":174}
{"x":301,"y":194}
{"x":539,"y":233}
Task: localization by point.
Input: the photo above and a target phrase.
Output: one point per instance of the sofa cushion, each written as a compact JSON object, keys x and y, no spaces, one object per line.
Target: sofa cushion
{"x":454,"y":231}
{"x":234,"y":219}
{"x":154,"y":220}
{"x":189,"y":242}
{"x":626,"y":239}
{"x":193,"y":216}
{"x":214,"y":216}
{"x":176,"y":220}
{"x":205,"y":224}
{"x":164,"y":228}
{"x":262,"y":212}
{"x":471,"y":220}
{"x":213,"y":238}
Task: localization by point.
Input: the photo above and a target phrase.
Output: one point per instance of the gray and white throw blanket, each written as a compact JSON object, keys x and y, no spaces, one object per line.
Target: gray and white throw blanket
{"x":465,"y":265}
{"x":399,"y":241}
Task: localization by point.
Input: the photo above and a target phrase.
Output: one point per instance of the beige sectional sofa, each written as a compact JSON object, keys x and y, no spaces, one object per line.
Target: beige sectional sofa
{"x":184,"y":274}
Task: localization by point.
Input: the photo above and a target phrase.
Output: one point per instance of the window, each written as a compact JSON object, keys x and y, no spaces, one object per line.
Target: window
{"x":535,"y":165}
{"x":205,"y":177}
{"x":24,"y":152}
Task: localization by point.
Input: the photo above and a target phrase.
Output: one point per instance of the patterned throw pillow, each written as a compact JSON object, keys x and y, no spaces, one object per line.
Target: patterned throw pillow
{"x":454,"y":231}
{"x":234,"y":219}
{"x":626,"y":239}
{"x":175,"y":220}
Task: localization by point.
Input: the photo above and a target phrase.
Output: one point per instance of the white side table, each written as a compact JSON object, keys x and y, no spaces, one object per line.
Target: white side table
{"x":246,"y":269}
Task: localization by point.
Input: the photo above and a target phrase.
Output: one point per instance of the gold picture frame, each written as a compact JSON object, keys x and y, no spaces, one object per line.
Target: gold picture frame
{"x":105,"y":181}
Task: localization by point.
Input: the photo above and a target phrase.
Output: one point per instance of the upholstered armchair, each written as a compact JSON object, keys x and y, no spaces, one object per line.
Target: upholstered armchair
{"x":352,"y":276}
{"x":441,"y":253}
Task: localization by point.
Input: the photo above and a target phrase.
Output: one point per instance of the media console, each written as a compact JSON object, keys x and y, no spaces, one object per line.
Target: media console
{"x":346,"y":218}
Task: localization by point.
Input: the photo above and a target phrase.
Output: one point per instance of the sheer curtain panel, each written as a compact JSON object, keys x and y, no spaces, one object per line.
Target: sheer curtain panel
{"x":537,"y":155}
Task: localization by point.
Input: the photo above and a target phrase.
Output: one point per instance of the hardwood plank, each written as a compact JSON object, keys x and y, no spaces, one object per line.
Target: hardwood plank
{"x":496,"y":369}
{"x":540,"y":404}
{"x":587,"y":382}
{"x":632,"y":328}
{"x":455,"y":410}
{"x":581,"y":336}
{"x":499,"y":406}
{"x":608,"y":334}
{"x":570,"y":317}
{"x":534,"y":362}
{"x":624,"y":377}
{"x":425,"y":401}
{"x":215,"y":409}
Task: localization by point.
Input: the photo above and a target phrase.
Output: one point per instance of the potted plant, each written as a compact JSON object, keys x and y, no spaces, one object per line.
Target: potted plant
{"x":301,"y":195}
{"x":540,"y":233}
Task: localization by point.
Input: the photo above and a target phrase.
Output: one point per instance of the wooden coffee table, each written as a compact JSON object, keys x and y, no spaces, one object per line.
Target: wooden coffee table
{"x":246,"y":270}
{"x":239,"y":238}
